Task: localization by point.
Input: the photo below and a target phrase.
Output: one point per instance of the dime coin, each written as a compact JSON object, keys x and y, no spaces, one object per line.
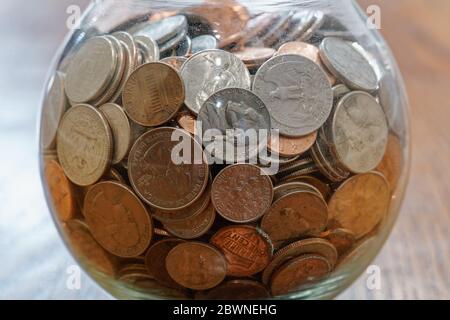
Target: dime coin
{"x":84,"y":144}
{"x":157,"y":179}
{"x":174,"y":42}
{"x":118,"y":220}
{"x":241,"y":193}
{"x":339,"y":91}
{"x":131,"y":45}
{"x":297,"y":272}
{"x":196,"y":265}
{"x":300,"y":23}
{"x":204,"y":42}
{"x":246,"y":250}
{"x":291,"y":147}
{"x":348,"y":64}
{"x":284,"y":189}
{"x":120,"y":128}
{"x":153,"y":94}
{"x":149,"y":48}
{"x":155,"y":260}
{"x":193,"y":227}
{"x":254,"y":55}
{"x":255,"y":28}
{"x":342,"y":239}
{"x":60,"y":191}
{"x":324,"y":188}
{"x":91,"y":70}
{"x":277,"y":30}
{"x":163,"y":30}
{"x":236,"y":290}
{"x":184,"y":48}
{"x":187,"y":121}
{"x":359,"y":131}
{"x":175,"y":62}
{"x":360,"y":203}
{"x":318,"y":20}
{"x":297,"y":93}
{"x":210,"y":71}
{"x":55,"y":105}
{"x":294,"y":215}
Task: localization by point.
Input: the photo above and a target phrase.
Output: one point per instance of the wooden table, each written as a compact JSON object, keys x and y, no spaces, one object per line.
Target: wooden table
{"x":414,"y":263}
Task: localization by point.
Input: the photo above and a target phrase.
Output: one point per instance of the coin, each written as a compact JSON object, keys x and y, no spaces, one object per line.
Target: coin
{"x":235,"y":290}
{"x":284,"y":189}
{"x":161,"y":232}
{"x":175,"y":62}
{"x":342,"y":239}
{"x":210,"y":71}
{"x":348,"y":64}
{"x":165,"y":29}
{"x":84,"y":143}
{"x":117,"y":219}
{"x":241,"y":193}
{"x":359,"y":131}
{"x":55,"y":105}
{"x":246,"y":250}
{"x":184,"y":48}
{"x":91,"y":70}
{"x":300,"y":23}
{"x":277,"y":30}
{"x":339,"y":91}
{"x":196,"y":265}
{"x":324,"y":188}
{"x":318,"y":21}
{"x":204,"y":42}
{"x":60,"y":191}
{"x":157,"y":179}
{"x":392,"y":162}
{"x":297,"y":272}
{"x":174,"y":42}
{"x":148,"y":47}
{"x":315,"y":246}
{"x":120,"y":128}
{"x":254,"y":55}
{"x":155,"y":260}
{"x":291,"y":147}
{"x":131,"y":45}
{"x":360,"y":203}
{"x":187,"y":121}
{"x":294,"y":215}
{"x":255,"y":28}
{"x":193,"y":227}
{"x":297,"y":93}
{"x":153,"y":94}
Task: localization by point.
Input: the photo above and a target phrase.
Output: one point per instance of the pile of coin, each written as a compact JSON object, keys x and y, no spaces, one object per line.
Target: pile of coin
{"x":232,"y":229}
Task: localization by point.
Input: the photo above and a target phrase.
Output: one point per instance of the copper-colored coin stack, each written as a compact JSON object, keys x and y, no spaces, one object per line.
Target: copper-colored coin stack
{"x":213,"y":231}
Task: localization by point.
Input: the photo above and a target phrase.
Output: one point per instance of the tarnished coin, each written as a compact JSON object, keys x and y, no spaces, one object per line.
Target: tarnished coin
{"x":55,"y":105}
{"x":196,"y":265}
{"x":148,"y":47}
{"x":360,"y":203}
{"x":255,"y":55}
{"x":236,"y":290}
{"x":204,"y":42}
{"x":323,"y":187}
{"x":232,"y":112}
{"x":157,"y":179}
{"x":339,"y":91}
{"x":316,"y":246}
{"x":60,"y":191}
{"x":246,"y":250}
{"x":297,"y":272}
{"x":241,"y":193}
{"x":153,"y":94}
{"x":291,"y":147}
{"x":176,"y":62}
{"x":297,"y":93}
{"x":193,"y":227}
{"x":117,"y":219}
{"x":91,"y":70}
{"x":187,"y":121}
{"x":120,"y":128}
{"x":348,"y":64}
{"x":84,"y":143}
{"x":155,"y":260}
{"x":392,"y":162}
{"x":284,"y":189}
{"x":210,"y":71}
{"x":359,"y":131}
{"x":294,"y":215}
{"x":342,"y":239}
{"x":165,"y":29}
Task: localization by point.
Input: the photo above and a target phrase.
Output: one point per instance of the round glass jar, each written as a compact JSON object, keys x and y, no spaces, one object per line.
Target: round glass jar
{"x":300,"y":213}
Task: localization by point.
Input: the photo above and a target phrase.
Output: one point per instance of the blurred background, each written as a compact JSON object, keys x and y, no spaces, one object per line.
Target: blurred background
{"x":415,"y":262}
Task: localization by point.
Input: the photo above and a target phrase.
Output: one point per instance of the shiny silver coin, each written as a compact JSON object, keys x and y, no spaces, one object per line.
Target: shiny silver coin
{"x":173,"y":43}
{"x":164,"y":30}
{"x":297,"y":93}
{"x":210,"y":71}
{"x":204,"y":42}
{"x":348,"y":64}
{"x":148,"y":47}
{"x":128,"y":40}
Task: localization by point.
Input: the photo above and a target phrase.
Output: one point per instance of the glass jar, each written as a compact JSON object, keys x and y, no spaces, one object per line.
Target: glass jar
{"x":303,"y":221}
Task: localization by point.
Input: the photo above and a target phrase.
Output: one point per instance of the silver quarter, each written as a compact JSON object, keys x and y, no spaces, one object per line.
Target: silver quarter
{"x":204,"y":42}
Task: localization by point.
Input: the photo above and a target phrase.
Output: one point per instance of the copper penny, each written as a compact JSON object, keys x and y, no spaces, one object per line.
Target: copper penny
{"x":245,"y":248}
{"x":193,"y":227}
{"x":196,"y":265}
{"x":153,"y":94}
{"x":316,"y":246}
{"x":255,"y":55}
{"x":155,"y":260}
{"x":117,"y":219}
{"x":291,"y":147}
{"x":297,"y":272}
{"x":60,"y":191}
{"x":391,"y":165}
{"x":236,"y":290}
{"x":360,"y":203}
{"x":342,"y":239}
{"x":157,"y":179}
{"x":241,"y":193}
{"x":175,"y":62}
{"x":187,"y":121}
{"x":295,"y":215}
